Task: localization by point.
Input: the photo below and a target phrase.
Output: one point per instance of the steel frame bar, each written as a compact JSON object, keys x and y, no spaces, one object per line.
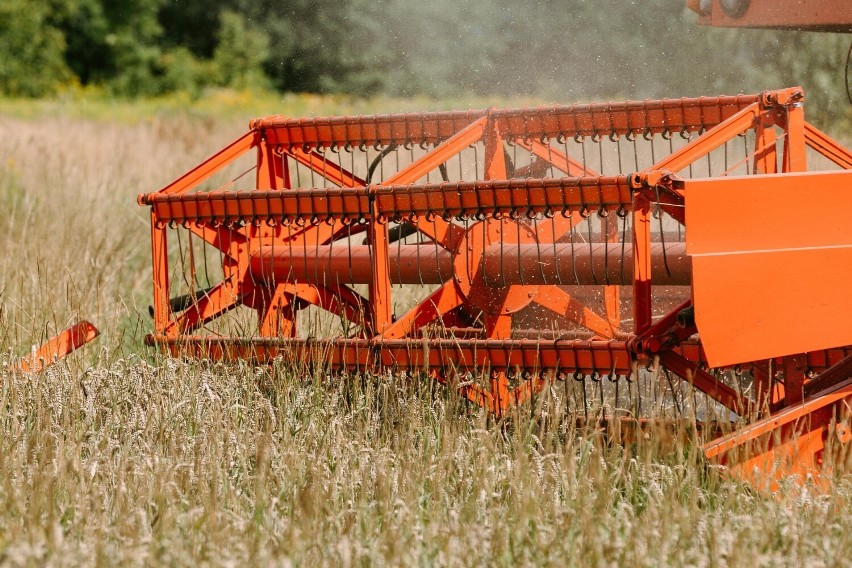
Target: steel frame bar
{"x":828,"y":147}
{"x":395,"y":202}
{"x":803,"y":412}
{"x":213,"y":164}
{"x":818,"y":15}
{"x":707,"y":383}
{"x":325,"y":168}
{"x":560,"y":161}
{"x":57,"y":347}
{"x":602,"y":357}
{"x":836,"y":373}
{"x":441,"y":302}
{"x":634,"y":117}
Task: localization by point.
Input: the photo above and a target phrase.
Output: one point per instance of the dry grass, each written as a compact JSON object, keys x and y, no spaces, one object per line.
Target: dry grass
{"x":182,"y":463}
{"x":119,"y":456}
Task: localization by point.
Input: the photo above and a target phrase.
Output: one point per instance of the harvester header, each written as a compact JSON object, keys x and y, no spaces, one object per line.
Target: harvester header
{"x":500,"y":250}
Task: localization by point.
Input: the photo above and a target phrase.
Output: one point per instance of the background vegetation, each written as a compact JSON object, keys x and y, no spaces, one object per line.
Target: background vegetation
{"x":557,"y":49}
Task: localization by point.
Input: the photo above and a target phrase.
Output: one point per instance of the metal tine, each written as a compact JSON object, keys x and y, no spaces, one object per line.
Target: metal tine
{"x":660,"y":214}
{"x":351,"y":151}
{"x":434,"y":222}
{"x":538,"y":251}
{"x":419,"y":264}
{"x":624,"y":215}
{"x":573,"y":252}
{"x":578,"y":376}
{"x":399,"y":240}
{"x":313,"y":176}
{"x":550,"y":158}
{"x":208,"y":280}
{"x":181,"y":258}
{"x":515,"y":211}
{"x":349,"y":249}
{"x":313,"y":221}
{"x":366,"y":149}
{"x":631,"y":137}
{"x":510,"y":172}
{"x":677,"y":404}
{"x":476,"y":175}
{"x":686,"y":136}
{"x":554,"y":238}
{"x":322,"y":150}
{"x":613,"y":378}
{"x":534,"y":217}
{"x":709,"y":165}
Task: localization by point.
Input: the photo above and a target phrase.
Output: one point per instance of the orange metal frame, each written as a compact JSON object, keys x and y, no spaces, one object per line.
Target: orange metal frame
{"x":284,"y":248}
{"x":813,"y":15}
{"x":57,"y":347}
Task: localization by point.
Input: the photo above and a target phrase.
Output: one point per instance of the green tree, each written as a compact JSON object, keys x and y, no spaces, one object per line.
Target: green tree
{"x":240,"y":52}
{"x":563,"y":50}
{"x":85,"y":30}
{"x":32,"y":50}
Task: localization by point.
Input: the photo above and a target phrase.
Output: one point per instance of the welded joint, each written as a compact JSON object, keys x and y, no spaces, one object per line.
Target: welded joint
{"x":653,"y":180}
{"x":667,"y":333}
{"x":771,"y":100}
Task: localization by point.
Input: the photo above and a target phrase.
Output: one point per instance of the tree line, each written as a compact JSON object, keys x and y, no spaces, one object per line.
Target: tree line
{"x":558,"y":49}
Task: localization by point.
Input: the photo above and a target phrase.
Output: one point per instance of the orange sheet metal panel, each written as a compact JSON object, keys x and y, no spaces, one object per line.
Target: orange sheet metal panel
{"x":791,"y":442}
{"x":772,"y":263}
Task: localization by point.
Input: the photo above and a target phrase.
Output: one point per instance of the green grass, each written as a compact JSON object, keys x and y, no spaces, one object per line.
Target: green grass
{"x":224,"y":104}
{"x":121,"y":456}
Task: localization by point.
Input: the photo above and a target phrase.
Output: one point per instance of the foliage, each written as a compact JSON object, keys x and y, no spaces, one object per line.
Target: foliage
{"x":240,"y":52}
{"x":556,"y":49}
{"x":32,"y":51}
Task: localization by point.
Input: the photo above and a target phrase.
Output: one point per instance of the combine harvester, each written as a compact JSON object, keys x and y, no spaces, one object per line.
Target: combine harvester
{"x":500,"y":250}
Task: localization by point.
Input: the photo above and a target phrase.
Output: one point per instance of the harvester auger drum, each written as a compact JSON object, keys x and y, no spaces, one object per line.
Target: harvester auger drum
{"x":500,"y":250}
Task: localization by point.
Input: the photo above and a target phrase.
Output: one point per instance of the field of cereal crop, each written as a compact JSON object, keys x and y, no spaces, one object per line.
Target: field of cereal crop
{"x":119,"y":455}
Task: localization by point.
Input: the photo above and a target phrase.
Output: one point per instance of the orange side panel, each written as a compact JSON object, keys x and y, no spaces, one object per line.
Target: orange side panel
{"x":772,"y":264}
{"x":791,"y":442}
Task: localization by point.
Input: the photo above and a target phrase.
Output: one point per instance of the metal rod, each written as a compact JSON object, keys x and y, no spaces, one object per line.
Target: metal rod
{"x":413,"y":264}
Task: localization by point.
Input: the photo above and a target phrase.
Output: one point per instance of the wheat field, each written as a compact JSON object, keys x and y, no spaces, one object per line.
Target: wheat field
{"x":118,"y":455}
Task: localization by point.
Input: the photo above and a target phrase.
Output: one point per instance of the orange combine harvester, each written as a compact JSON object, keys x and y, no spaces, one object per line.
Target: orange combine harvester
{"x":499,"y":250}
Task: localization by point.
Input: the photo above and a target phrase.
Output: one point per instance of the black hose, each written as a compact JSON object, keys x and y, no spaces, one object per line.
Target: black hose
{"x":378,"y":160}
